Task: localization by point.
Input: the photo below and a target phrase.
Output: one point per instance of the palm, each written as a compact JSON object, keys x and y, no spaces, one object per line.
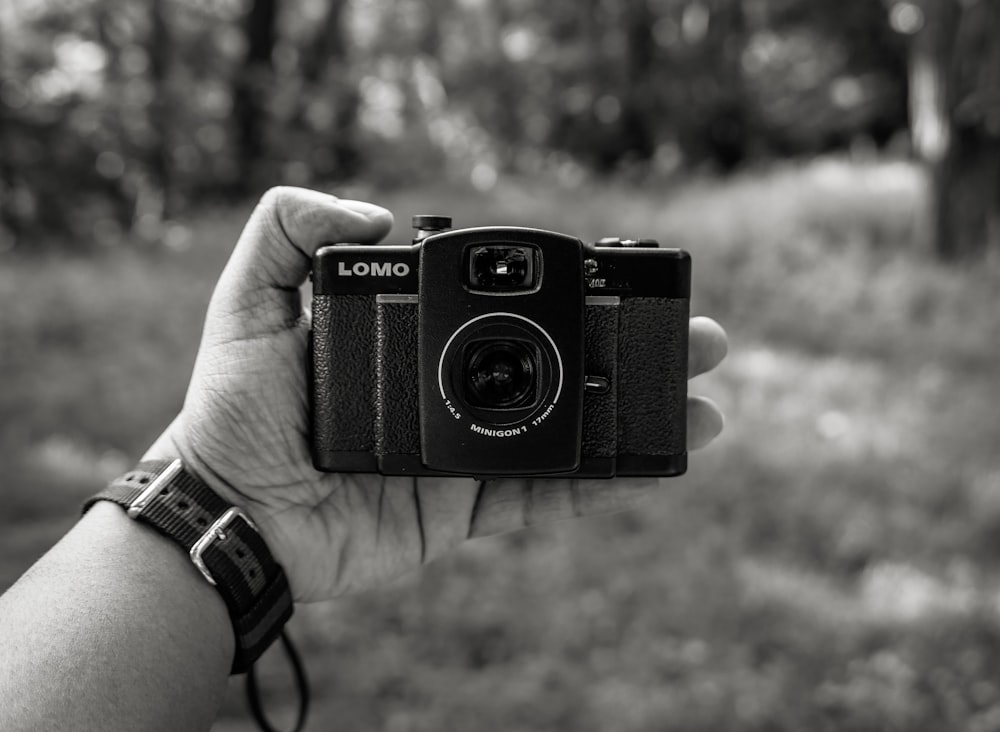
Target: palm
{"x":244,"y":427}
{"x":372,"y":525}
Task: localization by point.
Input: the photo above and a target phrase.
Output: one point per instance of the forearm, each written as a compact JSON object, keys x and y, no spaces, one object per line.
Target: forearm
{"x":113,"y":629}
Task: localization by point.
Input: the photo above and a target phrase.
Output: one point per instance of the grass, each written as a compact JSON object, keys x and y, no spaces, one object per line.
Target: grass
{"x":830,"y":563}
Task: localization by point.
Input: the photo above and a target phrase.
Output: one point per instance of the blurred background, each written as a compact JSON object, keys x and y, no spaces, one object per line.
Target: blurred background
{"x":830,"y":563}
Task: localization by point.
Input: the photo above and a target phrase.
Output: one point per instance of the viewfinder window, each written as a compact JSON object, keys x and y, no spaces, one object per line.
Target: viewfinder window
{"x":502,"y":267}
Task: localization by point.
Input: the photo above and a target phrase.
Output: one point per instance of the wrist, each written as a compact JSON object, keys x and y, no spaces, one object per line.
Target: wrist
{"x":222,"y":543}
{"x":146,"y":558}
{"x":167,"y":449}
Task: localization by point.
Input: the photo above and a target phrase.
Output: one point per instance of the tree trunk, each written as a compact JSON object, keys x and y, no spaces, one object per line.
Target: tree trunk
{"x":955,"y":124}
{"x":637,"y":117}
{"x":713,"y":123}
{"x":154,"y":202}
{"x":10,"y":224}
{"x":931,"y":94}
{"x":326,"y":70}
{"x":726,"y":130}
{"x":971,"y":216}
{"x":250,"y":93}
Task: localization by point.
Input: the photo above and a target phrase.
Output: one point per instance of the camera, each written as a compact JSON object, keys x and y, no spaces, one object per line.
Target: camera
{"x":500,"y":351}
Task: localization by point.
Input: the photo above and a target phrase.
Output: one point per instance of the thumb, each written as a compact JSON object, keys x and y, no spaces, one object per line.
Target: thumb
{"x":258,"y":291}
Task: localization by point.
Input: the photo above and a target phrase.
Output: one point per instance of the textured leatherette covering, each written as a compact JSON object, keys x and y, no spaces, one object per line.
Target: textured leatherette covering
{"x":343,"y":372}
{"x":397,"y":429}
{"x":652,"y":382}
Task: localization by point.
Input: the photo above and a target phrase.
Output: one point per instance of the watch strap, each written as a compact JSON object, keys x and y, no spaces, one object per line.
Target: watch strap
{"x":222,"y":542}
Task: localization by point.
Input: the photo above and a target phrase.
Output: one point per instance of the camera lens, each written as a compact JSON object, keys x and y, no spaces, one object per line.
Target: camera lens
{"x":501,"y":374}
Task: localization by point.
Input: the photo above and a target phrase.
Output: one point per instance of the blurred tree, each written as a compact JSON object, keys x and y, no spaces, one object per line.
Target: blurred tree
{"x":252,"y":90}
{"x":115,"y":113}
{"x":955,"y":118}
{"x":114,"y":159}
{"x":157,"y":196}
{"x":933,"y":25}
{"x":637,"y":123}
{"x":52,"y":104}
{"x":719,"y":127}
{"x":822,"y":76}
{"x":10,"y":222}
{"x":328,"y":104}
{"x":972,"y":216}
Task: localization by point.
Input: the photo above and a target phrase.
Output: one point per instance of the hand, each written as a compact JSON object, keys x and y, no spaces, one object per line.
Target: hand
{"x":244,"y":424}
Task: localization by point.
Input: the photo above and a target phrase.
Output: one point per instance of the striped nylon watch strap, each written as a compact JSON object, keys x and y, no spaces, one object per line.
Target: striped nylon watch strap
{"x":223,"y":543}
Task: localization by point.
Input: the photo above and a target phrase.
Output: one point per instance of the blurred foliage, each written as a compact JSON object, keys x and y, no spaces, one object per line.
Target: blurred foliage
{"x":115,"y":115}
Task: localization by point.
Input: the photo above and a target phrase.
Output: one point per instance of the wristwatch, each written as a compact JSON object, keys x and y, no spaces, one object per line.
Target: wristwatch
{"x":223,"y":544}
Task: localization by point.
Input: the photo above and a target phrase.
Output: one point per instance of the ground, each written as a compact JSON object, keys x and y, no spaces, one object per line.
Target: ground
{"x":830,"y":563}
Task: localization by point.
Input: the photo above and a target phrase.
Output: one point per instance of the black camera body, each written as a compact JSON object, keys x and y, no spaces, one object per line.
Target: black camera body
{"x":500,"y":351}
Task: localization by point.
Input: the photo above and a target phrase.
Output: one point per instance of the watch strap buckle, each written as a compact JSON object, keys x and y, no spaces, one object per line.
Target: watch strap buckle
{"x":142,"y":500}
{"x":216,"y":532}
